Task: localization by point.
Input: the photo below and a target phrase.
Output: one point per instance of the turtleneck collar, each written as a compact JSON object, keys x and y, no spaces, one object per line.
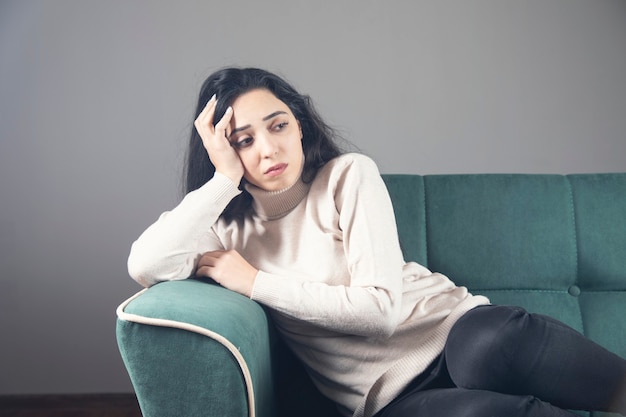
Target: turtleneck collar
{"x":271,"y":205}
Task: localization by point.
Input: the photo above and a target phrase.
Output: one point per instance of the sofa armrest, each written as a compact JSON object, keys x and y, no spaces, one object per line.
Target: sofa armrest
{"x":193,"y":348}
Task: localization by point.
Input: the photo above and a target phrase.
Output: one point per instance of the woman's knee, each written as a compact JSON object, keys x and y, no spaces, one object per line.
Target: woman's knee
{"x":482,"y":345}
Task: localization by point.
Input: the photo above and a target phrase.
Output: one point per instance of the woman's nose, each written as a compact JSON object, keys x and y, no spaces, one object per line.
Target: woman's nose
{"x":268,"y":146}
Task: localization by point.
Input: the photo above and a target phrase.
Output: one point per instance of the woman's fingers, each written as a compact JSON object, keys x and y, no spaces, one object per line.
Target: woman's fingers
{"x":229,"y":269}
{"x":217,"y":145}
{"x":204,"y":121}
{"x":220,"y":127}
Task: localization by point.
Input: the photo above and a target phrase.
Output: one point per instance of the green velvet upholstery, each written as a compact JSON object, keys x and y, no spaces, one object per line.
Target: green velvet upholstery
{"x":180,"y":372}
{"x":550,"y":243}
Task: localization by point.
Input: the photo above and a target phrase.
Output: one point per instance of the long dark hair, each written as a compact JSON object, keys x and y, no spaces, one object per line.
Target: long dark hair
{"x":318,"y":143}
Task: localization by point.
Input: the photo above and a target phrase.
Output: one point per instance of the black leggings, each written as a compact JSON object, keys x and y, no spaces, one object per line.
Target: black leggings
{"x":504,"y":362}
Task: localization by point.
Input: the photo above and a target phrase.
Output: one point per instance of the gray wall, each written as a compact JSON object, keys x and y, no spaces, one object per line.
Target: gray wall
{"x":96,"y":99}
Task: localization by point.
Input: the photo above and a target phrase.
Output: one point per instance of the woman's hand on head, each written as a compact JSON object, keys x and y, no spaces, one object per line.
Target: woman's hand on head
{"x":222,"y":155}
{"x":229,"y":269}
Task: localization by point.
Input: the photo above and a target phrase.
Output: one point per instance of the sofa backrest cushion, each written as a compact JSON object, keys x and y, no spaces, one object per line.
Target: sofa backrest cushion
{"x":553,"y":244}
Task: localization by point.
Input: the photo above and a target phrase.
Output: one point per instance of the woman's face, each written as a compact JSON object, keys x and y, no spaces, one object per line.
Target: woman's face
{"x":268,"y":140}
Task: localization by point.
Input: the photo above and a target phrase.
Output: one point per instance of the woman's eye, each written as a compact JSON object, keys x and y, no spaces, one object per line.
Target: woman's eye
{"x":281,"y":126}
{"x":243,"y":142}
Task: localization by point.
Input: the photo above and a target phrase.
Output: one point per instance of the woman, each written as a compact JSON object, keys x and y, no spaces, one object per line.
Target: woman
{"x":276,"y":212}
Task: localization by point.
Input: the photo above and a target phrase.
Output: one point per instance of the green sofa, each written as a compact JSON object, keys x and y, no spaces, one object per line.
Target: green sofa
{"x":553,"y":244}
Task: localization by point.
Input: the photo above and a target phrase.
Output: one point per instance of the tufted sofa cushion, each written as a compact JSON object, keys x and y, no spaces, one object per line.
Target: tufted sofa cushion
{"x":550,"y":243}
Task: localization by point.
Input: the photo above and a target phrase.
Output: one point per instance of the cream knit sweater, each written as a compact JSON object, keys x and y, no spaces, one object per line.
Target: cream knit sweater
{"x":363,"y":321}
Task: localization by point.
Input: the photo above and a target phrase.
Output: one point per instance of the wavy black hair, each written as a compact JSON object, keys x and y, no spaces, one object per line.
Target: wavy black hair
{"x":319,"y":140}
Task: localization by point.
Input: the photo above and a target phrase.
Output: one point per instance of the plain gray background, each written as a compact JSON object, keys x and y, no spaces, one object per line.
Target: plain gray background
{"x":96,"y":100}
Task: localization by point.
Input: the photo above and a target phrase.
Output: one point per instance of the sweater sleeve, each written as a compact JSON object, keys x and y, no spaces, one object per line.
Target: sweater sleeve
{"x":170,"y":248}
{"x":370,"y":304}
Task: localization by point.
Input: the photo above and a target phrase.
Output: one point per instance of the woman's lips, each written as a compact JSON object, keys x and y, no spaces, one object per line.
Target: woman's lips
{"x":276,"y":170}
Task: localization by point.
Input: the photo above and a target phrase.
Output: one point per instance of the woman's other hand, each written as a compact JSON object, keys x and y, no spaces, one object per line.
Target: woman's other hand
{"x":229,"y":269}
{"x":222,"y":154}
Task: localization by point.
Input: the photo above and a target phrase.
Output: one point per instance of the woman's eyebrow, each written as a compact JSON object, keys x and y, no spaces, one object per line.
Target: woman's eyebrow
{"x":266,"y":118}
{"x":276,"y":113}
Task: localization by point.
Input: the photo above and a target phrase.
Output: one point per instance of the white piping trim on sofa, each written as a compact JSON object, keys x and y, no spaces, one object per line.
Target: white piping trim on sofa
{"x":134,"y":318}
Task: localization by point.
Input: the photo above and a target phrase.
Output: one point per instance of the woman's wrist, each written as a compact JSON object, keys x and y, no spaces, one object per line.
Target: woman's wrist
{"x":235,"y":178}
